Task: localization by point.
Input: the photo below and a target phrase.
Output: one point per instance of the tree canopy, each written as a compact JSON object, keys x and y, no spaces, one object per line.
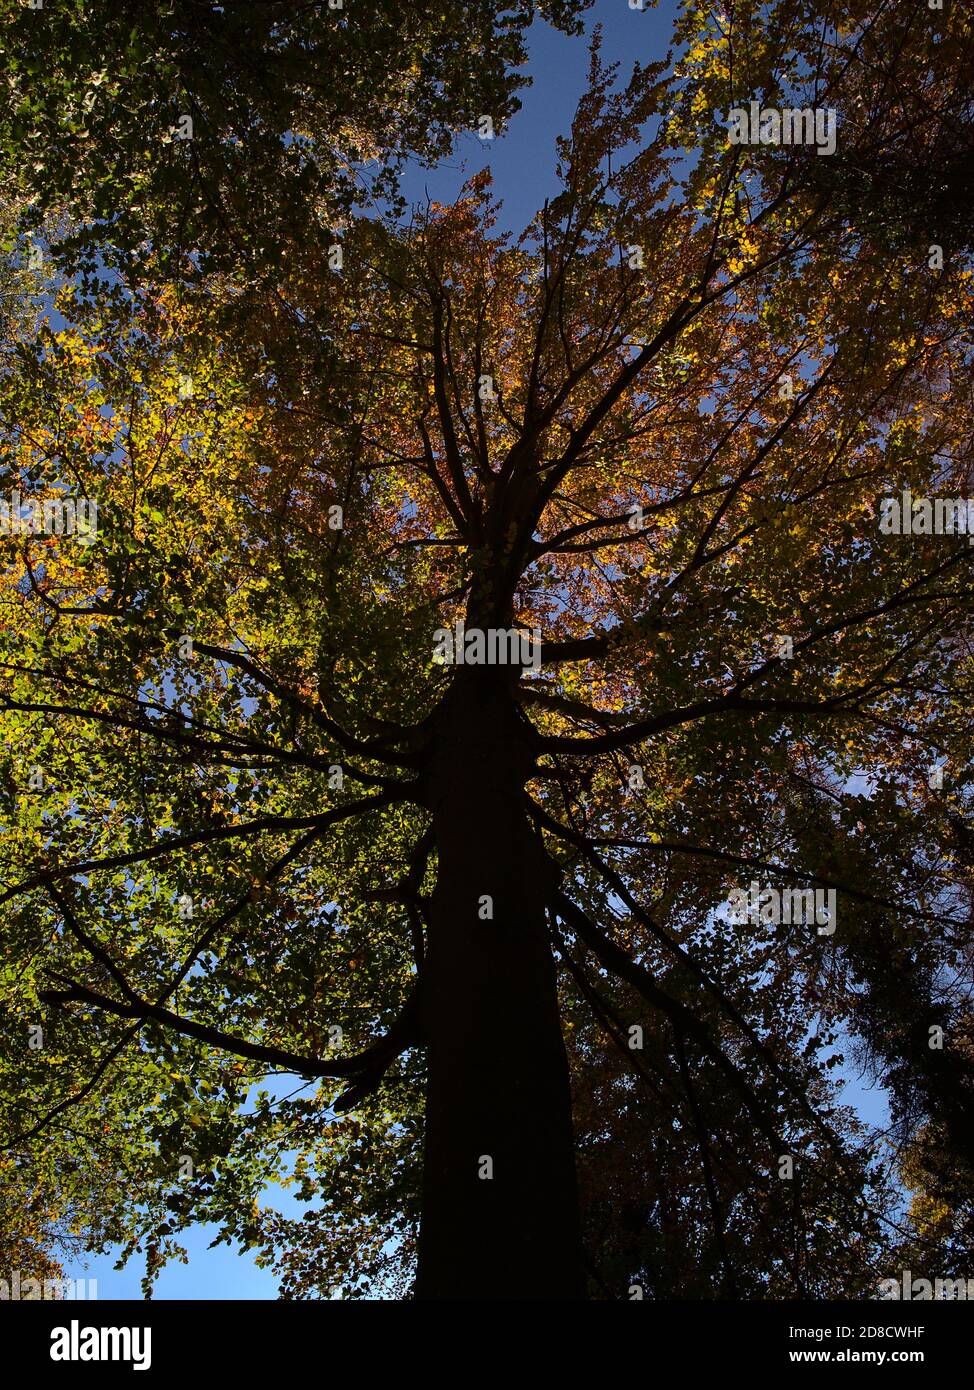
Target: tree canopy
{"x":289,"y":891}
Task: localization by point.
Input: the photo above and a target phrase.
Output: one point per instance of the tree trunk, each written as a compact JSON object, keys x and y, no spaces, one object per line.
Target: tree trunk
{"x":500,"y":1211}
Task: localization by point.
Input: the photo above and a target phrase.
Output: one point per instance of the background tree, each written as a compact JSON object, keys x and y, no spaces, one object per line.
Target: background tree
{"x":235,"y":135}
{"x":270,"y":832}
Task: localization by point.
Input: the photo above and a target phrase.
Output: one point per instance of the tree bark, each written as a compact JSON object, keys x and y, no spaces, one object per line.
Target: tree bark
{"x":500,"y":1210}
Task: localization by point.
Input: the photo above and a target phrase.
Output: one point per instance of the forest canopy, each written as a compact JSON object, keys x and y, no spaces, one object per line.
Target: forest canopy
{"x":536,"y":977}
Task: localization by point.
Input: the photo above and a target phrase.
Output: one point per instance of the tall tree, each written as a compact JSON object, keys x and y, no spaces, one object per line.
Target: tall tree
{"x":264,"y":818}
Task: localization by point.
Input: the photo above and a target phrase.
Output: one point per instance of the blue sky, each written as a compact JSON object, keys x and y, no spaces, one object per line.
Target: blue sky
{"x":523,"y":159}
